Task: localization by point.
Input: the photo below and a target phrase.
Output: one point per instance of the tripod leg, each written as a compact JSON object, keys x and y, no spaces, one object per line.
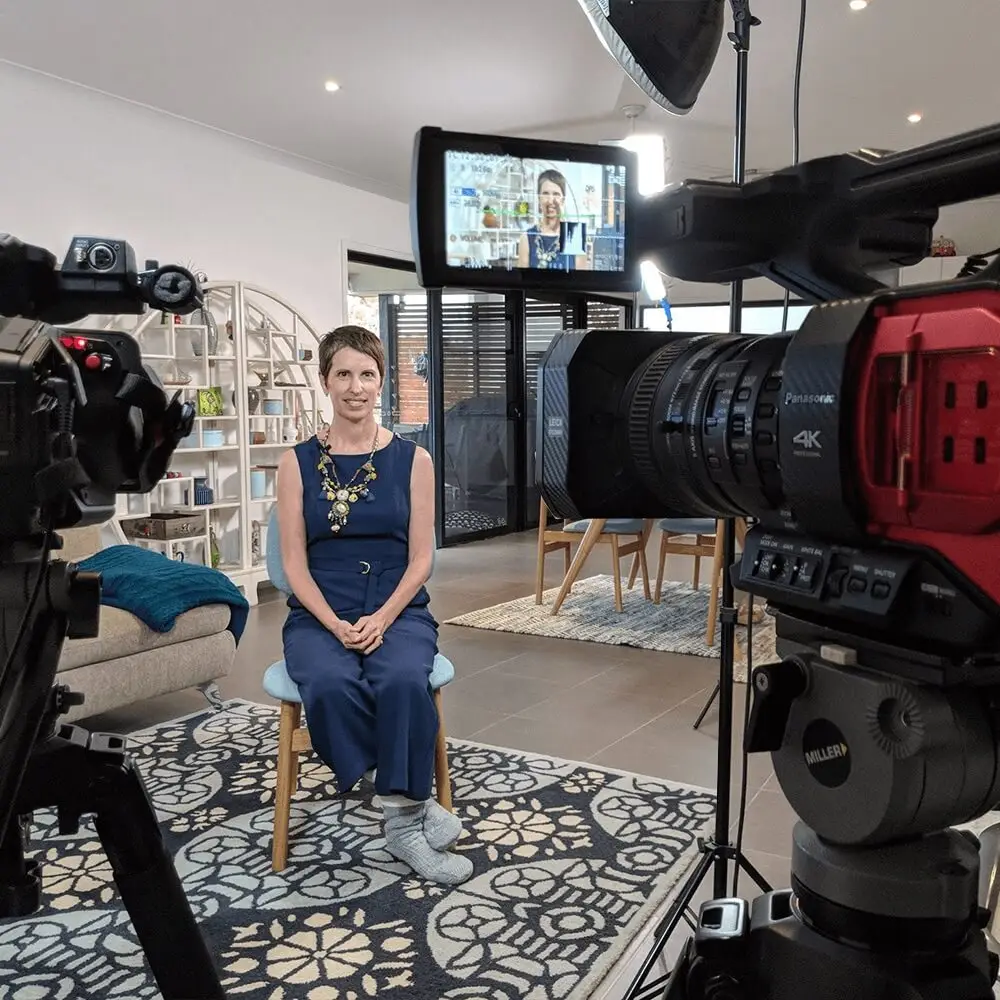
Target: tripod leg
{"x":748,"y":867}
{"x":674,"y":916}
{"x":20,"y":880}
{"x":83,"y":773}
{"x":708,"y":704}
{"x":145,"y":875}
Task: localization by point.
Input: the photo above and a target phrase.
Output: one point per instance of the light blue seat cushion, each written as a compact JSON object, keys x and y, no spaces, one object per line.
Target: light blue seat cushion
{"x":279,"y":685}
{"x":688,"y":525}
{"x":613,"y":526}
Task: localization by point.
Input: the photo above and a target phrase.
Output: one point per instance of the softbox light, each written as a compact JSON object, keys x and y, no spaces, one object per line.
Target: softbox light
{"x":667,"y":47}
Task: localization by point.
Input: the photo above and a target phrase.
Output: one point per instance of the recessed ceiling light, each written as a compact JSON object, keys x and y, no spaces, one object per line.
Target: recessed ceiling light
{"x":332,"y":86}
{"x":915,"y":118}
{"x":858,"y":4}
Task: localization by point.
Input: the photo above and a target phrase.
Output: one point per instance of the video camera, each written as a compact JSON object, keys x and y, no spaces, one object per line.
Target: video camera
{"x":81,"y":420}
{"x":865,"y":449}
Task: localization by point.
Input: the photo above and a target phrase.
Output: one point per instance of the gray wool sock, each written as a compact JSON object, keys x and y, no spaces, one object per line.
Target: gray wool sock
{"x":405,"y":840}
{"x":441,"y":828}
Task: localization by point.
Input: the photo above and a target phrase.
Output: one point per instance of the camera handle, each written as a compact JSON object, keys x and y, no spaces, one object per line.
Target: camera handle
{"x":76,"y":773}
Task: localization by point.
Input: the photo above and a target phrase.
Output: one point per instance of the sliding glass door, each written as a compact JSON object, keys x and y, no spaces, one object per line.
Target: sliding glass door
{"x":480,"y":482}
{"x":543,"y":320}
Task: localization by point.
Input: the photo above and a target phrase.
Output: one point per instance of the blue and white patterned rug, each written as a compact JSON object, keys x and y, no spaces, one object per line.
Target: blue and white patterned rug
{"x":570,"y":862}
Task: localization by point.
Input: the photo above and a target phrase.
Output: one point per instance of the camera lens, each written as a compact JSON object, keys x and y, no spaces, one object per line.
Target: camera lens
{"x":102,"y":257}
{"x":644,"y":424}
{"x":703,"y":424}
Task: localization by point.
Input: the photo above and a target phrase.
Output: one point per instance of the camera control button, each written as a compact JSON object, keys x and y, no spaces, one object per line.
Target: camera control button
{"x":764,"y":437}
{"x":765,"y":410}
{"x":857,"y":584}
{"x":880,"y":590}
{"x":740,"y":458}
{"x":835,"y":582}
{"x":772,"y":384}
{"x":743,"y":395}
{"x":806,"y":572}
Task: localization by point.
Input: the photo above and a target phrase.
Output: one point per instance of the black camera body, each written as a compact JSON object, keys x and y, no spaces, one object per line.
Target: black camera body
{"x":81,"y":417}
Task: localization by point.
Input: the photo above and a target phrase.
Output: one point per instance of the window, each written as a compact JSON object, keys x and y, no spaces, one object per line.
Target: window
{"x":606,"y":316}
{"x":757,"y":319}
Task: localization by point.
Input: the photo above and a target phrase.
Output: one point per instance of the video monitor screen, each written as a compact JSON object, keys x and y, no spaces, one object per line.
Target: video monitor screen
{"x":522,"y":214}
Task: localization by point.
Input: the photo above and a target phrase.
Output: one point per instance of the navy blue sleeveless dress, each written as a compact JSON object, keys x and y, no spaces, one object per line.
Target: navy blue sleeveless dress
{"x":375,"y":710}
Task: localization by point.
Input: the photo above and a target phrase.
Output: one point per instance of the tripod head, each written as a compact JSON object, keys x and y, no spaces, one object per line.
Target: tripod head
{"x":865,"y":754}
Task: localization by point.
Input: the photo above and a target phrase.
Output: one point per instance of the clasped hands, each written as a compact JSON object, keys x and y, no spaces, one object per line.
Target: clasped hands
{"x":365,"y":635}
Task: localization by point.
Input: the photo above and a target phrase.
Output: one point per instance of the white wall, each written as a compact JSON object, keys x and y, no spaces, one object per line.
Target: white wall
{"x":76,"y":161}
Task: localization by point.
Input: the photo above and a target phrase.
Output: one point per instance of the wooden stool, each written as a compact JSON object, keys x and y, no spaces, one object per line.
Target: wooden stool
{"x":293,"y":739}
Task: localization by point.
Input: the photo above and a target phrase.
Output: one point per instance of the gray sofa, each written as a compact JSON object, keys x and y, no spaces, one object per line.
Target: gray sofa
{"x":128,"y":661}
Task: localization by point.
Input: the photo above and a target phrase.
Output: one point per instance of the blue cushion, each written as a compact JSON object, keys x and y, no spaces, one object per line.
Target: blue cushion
{"x":613,"y":526}
{"x":279,"y":685}
{"x":688,"y":525}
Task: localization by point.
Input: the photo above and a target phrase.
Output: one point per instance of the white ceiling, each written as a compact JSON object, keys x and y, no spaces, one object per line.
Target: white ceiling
{"x":255,"y":68}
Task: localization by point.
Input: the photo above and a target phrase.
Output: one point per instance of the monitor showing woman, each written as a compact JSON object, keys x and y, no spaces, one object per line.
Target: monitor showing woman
{"x":552,"y":243}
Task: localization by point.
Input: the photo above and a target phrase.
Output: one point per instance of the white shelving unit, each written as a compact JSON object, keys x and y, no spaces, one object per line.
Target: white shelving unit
{"x":256,"y":352}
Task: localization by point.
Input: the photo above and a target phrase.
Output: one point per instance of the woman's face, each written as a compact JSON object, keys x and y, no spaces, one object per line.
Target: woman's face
{"x":354,"y":385}
{"x":550,"y":200}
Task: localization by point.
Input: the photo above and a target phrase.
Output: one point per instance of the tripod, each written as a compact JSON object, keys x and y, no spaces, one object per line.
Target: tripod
{"x":77,"y":773}
{"x":717,"y":852}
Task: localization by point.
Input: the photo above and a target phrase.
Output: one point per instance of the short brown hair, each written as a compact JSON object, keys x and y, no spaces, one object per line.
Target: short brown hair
{"x":356,"y":337}
{"x":554,"y":176}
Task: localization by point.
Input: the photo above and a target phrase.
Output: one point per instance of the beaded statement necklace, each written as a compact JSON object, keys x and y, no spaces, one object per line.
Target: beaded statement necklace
{"x":546,"y":255}
{"x":342,"y":496}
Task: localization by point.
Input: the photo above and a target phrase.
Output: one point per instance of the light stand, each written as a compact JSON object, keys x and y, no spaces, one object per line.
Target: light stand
{"x":717,"y":852}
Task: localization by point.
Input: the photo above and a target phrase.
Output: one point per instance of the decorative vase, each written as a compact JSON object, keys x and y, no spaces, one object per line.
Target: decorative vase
{"x":216,"y":551}
{"x":208,"y":321}
{"x":255,"y":551}
{"x":253,"y":400}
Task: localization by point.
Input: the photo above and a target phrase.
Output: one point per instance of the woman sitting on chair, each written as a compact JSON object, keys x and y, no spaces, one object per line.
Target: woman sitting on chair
{"x":356,"y":520}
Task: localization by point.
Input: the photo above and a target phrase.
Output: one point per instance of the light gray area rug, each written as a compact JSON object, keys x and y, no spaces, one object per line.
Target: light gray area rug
{"x":571,"y":862}
{"x":676,"y":625}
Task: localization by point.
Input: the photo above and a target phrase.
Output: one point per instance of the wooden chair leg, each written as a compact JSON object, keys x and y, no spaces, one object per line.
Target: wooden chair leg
{"x":713,"y":594}
{"x":590,"y":538}
{"x":288,"y":763}
{"x":647,"y":530}
{"x":442,"y":775}
{"x":658,"y":589}
{"x":697,"y":572}
{"x":616,"y":568}
{"x":543,"y":516}
{"x":634,"y":570}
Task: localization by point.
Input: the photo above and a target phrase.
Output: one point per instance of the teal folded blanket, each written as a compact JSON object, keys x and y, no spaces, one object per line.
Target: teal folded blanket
{"x":158,"y":590}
